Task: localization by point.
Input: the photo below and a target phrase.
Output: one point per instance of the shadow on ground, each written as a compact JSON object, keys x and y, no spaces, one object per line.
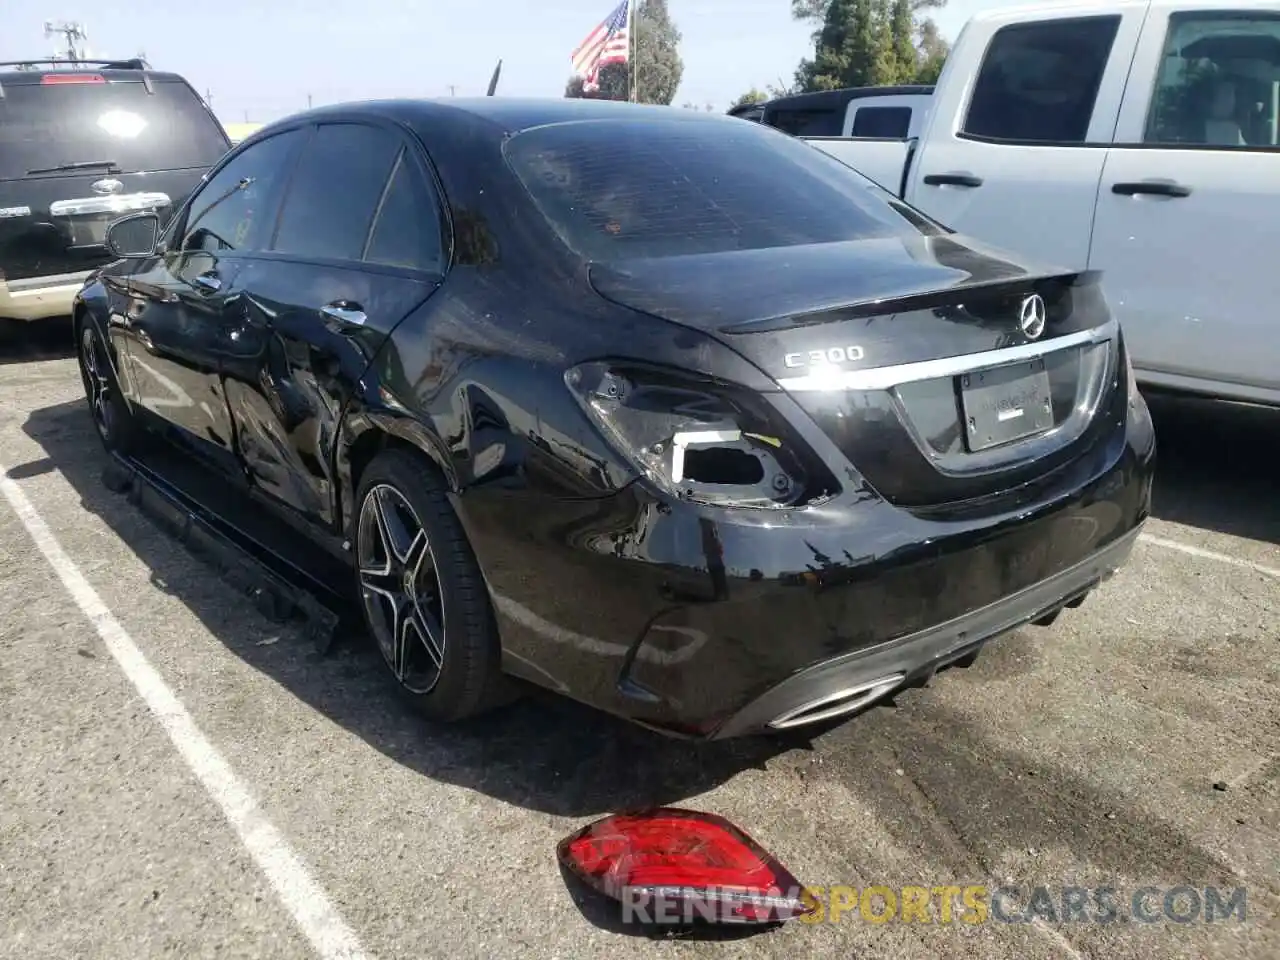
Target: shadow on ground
{"x":1216,"y":466}
{"x":544,"y":752}
{"x":28,"y":341}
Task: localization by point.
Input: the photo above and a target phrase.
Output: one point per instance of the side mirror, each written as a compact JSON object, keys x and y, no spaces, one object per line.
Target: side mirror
{"x":134,"y":236}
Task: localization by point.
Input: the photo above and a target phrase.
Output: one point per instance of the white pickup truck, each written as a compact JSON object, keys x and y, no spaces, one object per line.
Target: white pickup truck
{"x":1136,"y":137}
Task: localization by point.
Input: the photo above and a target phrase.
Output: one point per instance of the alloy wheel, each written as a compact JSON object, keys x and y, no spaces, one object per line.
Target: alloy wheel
{"x":97,"y":382}
{"x":400,"y":588}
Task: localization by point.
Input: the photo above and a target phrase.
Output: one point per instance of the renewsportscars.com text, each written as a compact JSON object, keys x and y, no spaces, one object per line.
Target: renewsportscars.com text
{"x":971,"y":904}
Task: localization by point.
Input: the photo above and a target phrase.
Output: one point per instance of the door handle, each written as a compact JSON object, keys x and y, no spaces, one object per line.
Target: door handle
{"x":952,"y":180}
{"x":1156,"y":188}
{"x":344,"y":311}
{"x":208,"y":282}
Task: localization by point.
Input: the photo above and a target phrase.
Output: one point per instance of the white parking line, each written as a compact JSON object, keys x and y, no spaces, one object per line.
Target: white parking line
{"x":1209,"y":555}
{"x":301,"y":895}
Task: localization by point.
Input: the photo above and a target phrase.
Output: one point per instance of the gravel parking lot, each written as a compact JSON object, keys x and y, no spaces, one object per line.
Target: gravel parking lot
{"x":233,"y":794}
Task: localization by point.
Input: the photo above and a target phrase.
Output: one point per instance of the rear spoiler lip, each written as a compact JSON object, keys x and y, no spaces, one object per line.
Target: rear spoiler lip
{"x":908,"y":300}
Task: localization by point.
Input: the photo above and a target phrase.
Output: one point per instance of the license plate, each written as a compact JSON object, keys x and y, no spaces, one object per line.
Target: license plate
{"x":1006,"y":404}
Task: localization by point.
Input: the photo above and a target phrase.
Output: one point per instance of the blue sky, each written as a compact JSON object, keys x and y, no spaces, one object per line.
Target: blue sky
{"x":261,"y":58}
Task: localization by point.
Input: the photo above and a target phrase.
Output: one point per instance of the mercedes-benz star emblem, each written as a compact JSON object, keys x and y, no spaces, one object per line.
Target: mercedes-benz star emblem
{"x":1031,"y":318}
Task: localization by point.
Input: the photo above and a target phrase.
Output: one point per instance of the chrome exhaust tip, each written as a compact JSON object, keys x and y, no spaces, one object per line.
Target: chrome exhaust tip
{"x":838,"y":703}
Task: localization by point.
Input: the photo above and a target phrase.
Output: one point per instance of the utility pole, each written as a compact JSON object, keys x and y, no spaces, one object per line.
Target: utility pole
{"x":452,"y":88}
{"x":208,"y":98}
{"x":308,"y":101}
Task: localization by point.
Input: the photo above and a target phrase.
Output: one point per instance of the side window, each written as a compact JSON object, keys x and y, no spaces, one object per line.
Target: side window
{"x":805,"y":123}
{"x":1218,"y":82}
{"x":407,"y":231}
{"x":1040,"y":80}
{"x":335,"y":190}
{"x":887,"y":122}
{"x":231,"y":211}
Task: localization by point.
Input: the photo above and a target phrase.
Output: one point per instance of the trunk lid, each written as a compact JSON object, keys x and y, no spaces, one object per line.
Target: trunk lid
{"x":898,"y":300}
{"x":926,"y":361}
{"x":79,"y":149}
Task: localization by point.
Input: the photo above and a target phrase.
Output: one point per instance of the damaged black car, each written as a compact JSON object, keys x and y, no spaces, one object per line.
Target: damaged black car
{"x":672,"y":414}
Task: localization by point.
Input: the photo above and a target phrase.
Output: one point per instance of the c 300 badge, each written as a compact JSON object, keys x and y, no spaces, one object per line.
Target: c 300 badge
{"x":828,"y":355}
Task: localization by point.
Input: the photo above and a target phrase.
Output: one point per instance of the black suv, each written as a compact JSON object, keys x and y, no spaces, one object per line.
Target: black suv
{"x":80,"y":145}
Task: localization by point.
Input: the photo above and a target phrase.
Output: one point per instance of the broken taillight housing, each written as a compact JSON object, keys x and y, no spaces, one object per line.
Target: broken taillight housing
{"x":697,"y":439}
{"x":680,"y":866}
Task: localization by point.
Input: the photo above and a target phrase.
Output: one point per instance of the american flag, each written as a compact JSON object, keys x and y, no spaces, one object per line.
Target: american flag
{"x":608,"y":43}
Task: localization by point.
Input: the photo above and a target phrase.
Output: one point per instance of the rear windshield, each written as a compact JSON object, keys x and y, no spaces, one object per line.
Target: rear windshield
{"x":45,"y":125}
{"x":615,"y":189}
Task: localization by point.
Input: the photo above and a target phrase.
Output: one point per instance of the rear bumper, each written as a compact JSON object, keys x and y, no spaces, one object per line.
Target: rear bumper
{"x":843,"y":684}
{"x":705,"y":622}
{"x":37,"y":298}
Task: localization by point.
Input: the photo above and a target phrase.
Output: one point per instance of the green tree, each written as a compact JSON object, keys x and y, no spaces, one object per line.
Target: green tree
{"x":659,"y":68}
{"x":870,"y":43}
{"x":830,"y":62}
{"x":655,"y":59}
{"x":754,"y":95}
{"x":902,"y":38}
{"x":933,"y":49}
{"x":849,"y":50}
{"x":815,"y":11}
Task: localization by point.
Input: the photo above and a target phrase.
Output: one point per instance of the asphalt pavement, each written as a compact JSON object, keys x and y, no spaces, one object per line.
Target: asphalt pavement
{"x":180,"y":777}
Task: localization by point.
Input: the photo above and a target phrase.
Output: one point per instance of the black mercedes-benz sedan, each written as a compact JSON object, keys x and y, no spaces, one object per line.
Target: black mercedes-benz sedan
{"x":673,"y":414}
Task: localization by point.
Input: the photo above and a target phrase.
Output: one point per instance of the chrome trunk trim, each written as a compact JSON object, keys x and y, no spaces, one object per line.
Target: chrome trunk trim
{"x":886,"y":378}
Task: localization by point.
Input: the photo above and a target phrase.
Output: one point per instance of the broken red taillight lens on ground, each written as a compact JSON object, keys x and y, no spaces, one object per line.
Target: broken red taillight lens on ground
{"x":671,"y":866}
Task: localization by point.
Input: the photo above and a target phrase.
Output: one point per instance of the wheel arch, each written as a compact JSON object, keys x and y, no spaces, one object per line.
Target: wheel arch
{"x":364,"y":435}
{"x":83,"y":312}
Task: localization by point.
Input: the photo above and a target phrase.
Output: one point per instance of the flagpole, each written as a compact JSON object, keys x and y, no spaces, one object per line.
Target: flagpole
{"x":634,"y":86}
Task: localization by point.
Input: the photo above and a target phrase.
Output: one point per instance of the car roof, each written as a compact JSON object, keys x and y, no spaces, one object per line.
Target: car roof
{"x":506,"y":115}
{"x":465,"y":137}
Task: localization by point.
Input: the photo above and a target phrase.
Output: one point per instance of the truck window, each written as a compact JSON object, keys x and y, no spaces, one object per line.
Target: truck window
{"x":1039,"y":80}
{"x":1219,"y":81}
{"x":806,"y":123}
{"x":891,"y":123}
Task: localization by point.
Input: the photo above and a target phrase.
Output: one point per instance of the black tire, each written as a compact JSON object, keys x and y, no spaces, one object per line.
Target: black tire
{"x":468,"y":679}
{"x":114,"y":422}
